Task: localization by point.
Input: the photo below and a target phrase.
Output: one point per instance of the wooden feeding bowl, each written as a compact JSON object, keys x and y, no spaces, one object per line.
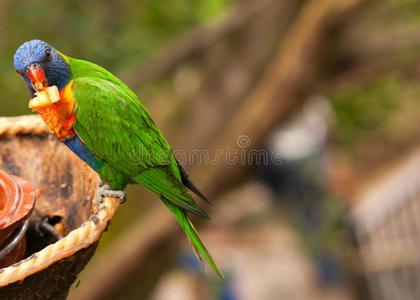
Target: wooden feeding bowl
{"x":65,"y":189}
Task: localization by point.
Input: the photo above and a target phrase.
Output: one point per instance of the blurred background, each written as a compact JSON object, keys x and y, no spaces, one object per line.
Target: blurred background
{"x":298,"y":119}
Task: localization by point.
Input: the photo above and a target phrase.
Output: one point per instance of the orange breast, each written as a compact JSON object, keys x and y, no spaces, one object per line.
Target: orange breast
{"x":61,"y":116}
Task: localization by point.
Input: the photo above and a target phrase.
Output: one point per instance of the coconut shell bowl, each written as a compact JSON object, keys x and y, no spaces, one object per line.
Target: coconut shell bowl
{"x":56,"y":210}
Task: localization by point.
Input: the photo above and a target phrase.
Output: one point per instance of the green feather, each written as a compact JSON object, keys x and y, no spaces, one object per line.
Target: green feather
{"x":192,"y":234}
{"x":116,"y":127}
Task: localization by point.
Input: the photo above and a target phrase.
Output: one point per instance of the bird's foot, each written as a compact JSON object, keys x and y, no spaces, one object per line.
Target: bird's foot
{"x":106,"y":191}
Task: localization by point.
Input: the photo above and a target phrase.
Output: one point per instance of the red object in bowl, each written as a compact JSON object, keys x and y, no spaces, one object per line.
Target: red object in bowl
{"x":17,"y":200}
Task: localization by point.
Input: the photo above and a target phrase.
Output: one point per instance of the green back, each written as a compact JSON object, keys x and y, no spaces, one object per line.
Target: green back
{"x":117,"y":128}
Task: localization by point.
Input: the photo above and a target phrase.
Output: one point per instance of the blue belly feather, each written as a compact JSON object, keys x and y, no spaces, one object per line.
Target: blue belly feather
{"x":79,"y":148}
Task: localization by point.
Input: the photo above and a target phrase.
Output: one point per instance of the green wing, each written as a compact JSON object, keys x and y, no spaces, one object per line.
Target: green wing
{"x":116,"y":127}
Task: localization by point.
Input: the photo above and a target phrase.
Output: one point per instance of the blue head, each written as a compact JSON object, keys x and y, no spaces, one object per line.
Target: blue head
{"x":37,"y":62}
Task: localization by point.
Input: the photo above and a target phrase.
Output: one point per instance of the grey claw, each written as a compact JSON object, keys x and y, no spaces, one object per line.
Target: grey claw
{"x":101,"y":182}
{"x":116,"y":194}
{"x":123,"y":197}
{"x":106,"y":191}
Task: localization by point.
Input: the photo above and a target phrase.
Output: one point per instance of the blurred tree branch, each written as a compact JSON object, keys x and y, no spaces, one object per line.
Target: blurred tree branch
{"x":282,"y":88}
{"x":194,"y":42}
{"x":363,"y":60}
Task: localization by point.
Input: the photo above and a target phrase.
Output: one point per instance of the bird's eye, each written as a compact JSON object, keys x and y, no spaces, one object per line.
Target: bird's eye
{"x":48,"y":55}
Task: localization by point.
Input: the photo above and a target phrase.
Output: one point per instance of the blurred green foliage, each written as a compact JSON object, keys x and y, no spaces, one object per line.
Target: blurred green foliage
{"x":380,"y":117}
{"x":365,"y":109}
{"x":117,"y":35}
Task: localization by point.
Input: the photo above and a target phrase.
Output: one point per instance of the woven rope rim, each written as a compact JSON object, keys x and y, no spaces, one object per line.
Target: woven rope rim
{"x":82,"y":237}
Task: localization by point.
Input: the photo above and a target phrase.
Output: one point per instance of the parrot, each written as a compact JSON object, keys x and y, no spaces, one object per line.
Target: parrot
{"x":105,"y":124}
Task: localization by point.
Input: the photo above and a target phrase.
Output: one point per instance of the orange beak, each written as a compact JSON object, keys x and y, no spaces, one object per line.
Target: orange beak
{"x":37,"y":76}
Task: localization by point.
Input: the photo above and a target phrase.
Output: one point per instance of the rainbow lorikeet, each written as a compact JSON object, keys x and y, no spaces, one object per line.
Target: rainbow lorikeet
{"x":103,"y":122}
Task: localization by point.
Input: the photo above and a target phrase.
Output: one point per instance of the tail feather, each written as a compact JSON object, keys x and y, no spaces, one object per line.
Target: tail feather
{"x":197,"y":245}
{"x":191,"y":186}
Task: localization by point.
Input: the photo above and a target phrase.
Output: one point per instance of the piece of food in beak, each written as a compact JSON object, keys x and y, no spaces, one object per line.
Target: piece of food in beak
{"x":44,"y":98}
